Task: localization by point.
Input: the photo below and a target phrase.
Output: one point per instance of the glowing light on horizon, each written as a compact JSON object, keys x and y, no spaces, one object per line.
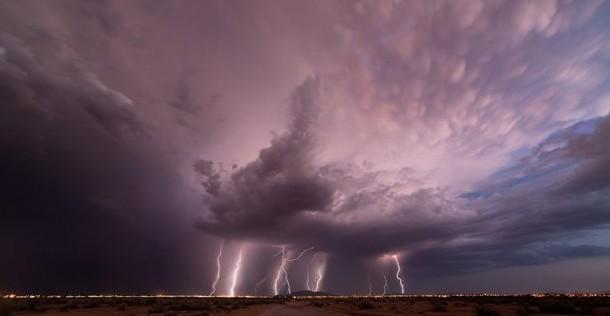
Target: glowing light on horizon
{"x":398,"y":277}
{"x":236,"y":272}
{"x":217,"y":269}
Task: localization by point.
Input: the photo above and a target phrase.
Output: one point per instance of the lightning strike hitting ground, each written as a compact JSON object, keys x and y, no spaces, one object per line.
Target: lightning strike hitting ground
{"x":217,"y":268}
{"x":286,"y":281}
{"x":282,"y":269}
{"x":319,"y":278}
{"x":311,"y":262}
{"x":279,"y":271}
{"x":402,"y":287}
{"x":236,"y":272}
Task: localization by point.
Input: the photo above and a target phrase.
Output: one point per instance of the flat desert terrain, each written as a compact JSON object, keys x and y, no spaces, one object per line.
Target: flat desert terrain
{"x":363,"y":306}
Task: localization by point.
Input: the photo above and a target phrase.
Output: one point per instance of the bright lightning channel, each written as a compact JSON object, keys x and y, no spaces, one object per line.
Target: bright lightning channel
{"x":319,"y":278}
{"x":279,"y":270}
{"x":385,"y":284}
{"x":236,"y":272}
{"x":301,"y":254}
{"x":217,"y":268}
{"x":286,"y":281}
{"x":307,"y":283}
{"x":398,"y":277}
{"x":282,"y":269}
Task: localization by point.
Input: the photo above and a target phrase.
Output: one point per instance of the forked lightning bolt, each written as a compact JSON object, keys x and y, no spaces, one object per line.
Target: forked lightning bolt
{"x":301,"y":254}
{"x":282,"y":269}
{"x":217,"y":269}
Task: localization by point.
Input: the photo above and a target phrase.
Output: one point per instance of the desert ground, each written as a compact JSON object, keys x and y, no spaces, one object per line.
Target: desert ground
{"x":156,"y":306}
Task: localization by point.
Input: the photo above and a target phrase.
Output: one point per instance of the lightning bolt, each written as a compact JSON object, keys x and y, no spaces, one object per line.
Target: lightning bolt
{"x":313,"y":258}
{"x":319,"y":278}
{"x":402,"y":287}
{"x":286,"y":281}
{"x":282,"y":269}
{"x":260,"y":282}
{"x":385,"y":284}
{"x":217,"y":268}
{"x":236,"y":272}
{"x":301,"y":254}
{"x":279,"y":270}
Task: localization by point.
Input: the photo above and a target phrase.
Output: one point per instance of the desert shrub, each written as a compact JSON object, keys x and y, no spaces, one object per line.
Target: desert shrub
{"x":366,"y":305}
{"x":157,"y":309}
{"x":317,"y":303}
{"x":90,"y":304}
{"x":440,"y":306}
{"x":557,"y":307}
{"x":4,"y":310}
{"x":195,"y":307}
{"x":41,"y":309}
{"x":487,"y":311}
{"x":523,"y":311}
{"x":122,"y":307}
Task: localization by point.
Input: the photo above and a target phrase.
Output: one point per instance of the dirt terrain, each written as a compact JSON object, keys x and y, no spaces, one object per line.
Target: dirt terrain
{"x":374,"y":306}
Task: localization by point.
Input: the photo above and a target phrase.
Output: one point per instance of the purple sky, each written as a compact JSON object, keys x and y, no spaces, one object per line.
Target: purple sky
{"x":470,"y":139}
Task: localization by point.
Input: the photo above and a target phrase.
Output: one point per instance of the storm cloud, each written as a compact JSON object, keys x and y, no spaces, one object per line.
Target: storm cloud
{"x":468,"y":139}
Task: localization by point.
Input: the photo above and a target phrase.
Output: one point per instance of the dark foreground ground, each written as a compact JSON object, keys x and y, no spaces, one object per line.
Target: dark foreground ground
{"x":475,"y":306}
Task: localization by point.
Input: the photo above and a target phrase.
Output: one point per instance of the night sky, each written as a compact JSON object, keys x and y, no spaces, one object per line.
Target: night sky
{"x":466,"y":142}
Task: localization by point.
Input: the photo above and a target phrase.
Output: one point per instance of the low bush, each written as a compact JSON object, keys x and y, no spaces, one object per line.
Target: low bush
{"x":366,"y":305}
{"x":557,"y":307}
{"x":4,"y":311}
{"x":487,"y":311}
{"x":440,"y":306}
{"x":157,"y":309}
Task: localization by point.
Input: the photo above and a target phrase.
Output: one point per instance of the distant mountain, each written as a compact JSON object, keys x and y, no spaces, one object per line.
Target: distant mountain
{"x":310,"y":293}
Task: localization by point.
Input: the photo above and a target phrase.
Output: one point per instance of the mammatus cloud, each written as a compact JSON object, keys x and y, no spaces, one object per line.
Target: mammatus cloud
{"x":459,"y":100}
{"x":506,"y":223}
{"x":463,"y":138}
